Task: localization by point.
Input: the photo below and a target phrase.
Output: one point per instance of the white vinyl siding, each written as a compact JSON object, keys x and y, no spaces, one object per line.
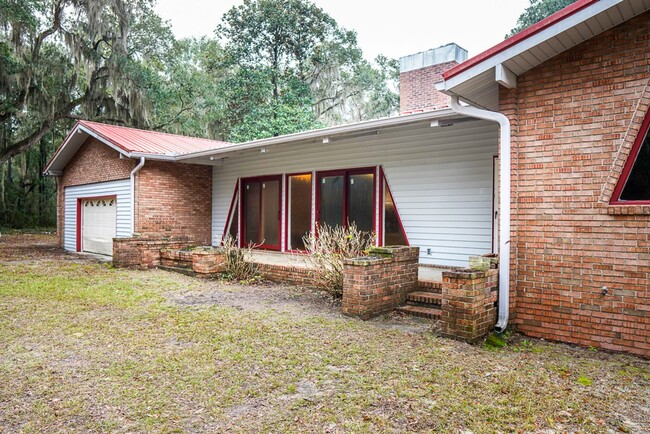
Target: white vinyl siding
{"x":121,"y":189}
{"x":440,"y":177}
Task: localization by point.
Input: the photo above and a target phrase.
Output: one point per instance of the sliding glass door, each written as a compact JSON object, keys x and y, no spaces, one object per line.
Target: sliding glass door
{"x":261,"y":212}
{"x":299,"y":210}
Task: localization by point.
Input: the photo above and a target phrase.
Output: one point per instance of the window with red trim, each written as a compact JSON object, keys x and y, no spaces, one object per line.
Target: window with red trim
{"x":342,"y":197}
{"x":634,"y":183}
{"x":232,"y":222}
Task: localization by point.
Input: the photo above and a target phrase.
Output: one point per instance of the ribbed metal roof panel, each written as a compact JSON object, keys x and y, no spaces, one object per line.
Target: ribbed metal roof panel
{"x":133,"y":140}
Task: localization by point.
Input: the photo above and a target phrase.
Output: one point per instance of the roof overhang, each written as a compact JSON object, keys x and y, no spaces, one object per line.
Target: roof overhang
{"x":76,"y":138}
{"x":324,"y":135}
{"x":477,"y":79}
{"x":80,"y":134}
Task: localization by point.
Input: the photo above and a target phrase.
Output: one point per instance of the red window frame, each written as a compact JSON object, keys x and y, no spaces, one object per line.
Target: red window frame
{"x":346,"y":173}
{"x":384,"y":180}
{"x":80,"y":214}
{"x":242,"y":219}
{"x":234,"y":202}
{"x":286,"y":209}
{"x":629,"y":165}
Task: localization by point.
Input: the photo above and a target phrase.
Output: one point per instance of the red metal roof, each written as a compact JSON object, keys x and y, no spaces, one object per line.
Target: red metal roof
{"x":150,"y":142}
{"x":515,"y":39}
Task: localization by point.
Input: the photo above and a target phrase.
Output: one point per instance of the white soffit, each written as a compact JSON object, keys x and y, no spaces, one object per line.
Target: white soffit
{"x":477,"y":84}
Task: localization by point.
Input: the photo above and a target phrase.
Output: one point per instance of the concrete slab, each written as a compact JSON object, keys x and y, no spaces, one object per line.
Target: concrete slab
{"x":430,"y":274}
{"x":281,"y":259}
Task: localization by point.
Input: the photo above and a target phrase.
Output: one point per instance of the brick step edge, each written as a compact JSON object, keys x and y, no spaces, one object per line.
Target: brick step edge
{"x":429,"y":286}
{"x":424,"y":297}
{"x":422,"y":312}
{"x":181,"y":270}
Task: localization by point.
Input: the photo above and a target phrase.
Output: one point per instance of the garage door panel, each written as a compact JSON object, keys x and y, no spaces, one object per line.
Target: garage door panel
{"x":98,"y":225}
{"x":120,"y":190}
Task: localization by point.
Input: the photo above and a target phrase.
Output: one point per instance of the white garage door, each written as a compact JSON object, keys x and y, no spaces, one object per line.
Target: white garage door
{"x":98,"y":225}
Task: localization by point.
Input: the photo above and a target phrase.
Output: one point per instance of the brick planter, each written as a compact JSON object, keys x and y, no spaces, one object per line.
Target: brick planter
{"x":142,"y":253}
{"x":468,"y":304}
{"x":379,"y":283}
{"x":202,"y":261}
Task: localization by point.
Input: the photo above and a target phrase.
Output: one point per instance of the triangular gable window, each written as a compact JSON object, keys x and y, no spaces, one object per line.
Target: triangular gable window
{"x":232,"y":223}
{"x":634,"y":183}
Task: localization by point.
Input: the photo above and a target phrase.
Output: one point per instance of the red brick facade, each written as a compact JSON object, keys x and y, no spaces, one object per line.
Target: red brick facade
{"x":574,"y":119}
{"x":374,"y":285}
{"x":467,"y":306}
{"x":94,"y":162}
{"x":174,"y":200}
{"x":417,"y":88}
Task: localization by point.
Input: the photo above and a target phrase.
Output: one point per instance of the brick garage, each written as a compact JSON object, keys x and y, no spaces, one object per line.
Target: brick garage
{"x":574,"y":119}
{"x":168,"y":201}
{"x":94,"y":162}
{"x":174,"y":200}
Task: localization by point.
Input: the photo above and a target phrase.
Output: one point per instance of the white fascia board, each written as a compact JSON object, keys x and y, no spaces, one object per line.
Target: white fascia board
{"x":505,"y":77}
{"x":324,"y":132}
{"x":160,"y":157}
{"x":530,"y":42}
{"x":103,"y":140}
{"x":70,"y":138}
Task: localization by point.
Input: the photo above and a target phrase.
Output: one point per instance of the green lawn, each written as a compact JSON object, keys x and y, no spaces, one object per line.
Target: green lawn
{"x":84,"y":347}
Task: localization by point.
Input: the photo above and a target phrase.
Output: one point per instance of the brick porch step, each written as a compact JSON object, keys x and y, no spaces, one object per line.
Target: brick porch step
{"x":417,"y":298}
{"x":421,"y":311}
{"x":429,"y":286}
{"x":182,"y":270}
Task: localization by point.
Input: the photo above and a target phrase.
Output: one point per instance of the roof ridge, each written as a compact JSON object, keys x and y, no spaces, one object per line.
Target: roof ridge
{"x":84,"y":121}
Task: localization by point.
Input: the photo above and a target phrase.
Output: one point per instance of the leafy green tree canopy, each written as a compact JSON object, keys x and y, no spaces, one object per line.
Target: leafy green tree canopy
{"x":537,"y":11}
{"x":60,"y":58}
{"x":291,"y":62}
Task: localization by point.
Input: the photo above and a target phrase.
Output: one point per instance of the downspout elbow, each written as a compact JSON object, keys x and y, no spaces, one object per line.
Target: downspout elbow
{"x":135,"y":170}
{"x":504,"y":203}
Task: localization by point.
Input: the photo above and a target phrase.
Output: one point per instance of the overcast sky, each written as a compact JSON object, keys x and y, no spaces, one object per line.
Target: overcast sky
{"x":393,"y":28}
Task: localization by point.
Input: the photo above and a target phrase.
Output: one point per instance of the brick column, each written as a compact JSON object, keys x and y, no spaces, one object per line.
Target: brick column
{"x":379,"y":282}
{"x":468,"y":298}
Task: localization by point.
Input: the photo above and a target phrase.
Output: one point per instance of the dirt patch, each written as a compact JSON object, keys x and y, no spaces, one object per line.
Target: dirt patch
{"x":25,"y":248}
{"x":287,"y":299}
{"x":284,"y":299}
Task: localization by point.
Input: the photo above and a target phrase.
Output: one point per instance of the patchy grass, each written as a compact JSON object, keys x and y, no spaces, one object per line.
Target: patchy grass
{"x":84,"y":347}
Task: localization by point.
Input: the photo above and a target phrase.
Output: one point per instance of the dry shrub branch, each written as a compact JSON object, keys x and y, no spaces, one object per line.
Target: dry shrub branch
{"x":327,"y":249}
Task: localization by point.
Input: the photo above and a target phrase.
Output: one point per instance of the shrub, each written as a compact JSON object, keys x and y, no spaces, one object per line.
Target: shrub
{"x":327,"y":249}
{"x":237,"y":263}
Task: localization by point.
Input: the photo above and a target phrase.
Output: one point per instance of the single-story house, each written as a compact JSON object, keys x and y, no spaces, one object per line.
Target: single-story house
{"x":536,"y":149}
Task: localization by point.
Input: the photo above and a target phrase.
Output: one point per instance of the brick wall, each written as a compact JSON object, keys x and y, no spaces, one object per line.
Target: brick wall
{"x":574,"y":120}
{"x":142,"y":253}
{"x":417,"y":88}
{"x":467,"y":306}
{"x":375,"y":285}
{"x":94,"y":162}
{"x":287,"y":275}
{"x":174,"y":200}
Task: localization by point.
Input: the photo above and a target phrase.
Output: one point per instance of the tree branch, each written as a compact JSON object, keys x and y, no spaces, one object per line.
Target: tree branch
{"x":56,"y":25}
{"x":29,"y":141}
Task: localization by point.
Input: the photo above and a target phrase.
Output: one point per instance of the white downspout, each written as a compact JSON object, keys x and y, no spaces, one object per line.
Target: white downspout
{"x":135,"y":170}
{"x":504,"y":203}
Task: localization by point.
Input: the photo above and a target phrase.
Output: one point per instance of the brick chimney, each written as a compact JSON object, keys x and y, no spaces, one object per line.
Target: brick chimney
{"x":420,"y":72}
